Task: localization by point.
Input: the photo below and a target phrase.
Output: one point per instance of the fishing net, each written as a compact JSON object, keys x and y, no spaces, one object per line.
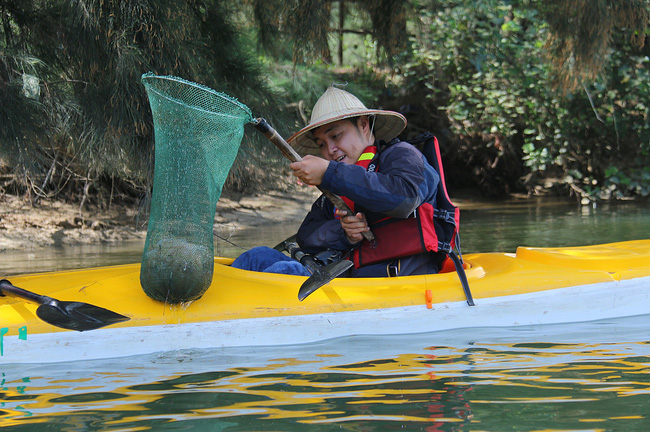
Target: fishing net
{"x":198,"y":132}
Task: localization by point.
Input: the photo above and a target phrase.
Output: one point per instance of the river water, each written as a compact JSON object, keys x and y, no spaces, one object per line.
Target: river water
{"x":579,"y":377}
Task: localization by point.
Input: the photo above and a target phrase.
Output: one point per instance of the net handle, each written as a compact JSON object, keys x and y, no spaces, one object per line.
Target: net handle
{"x":288,"y":151}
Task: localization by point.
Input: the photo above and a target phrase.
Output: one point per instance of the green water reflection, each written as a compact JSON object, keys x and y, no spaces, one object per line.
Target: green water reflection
{"x":485,"y":227}
{"x":501,"y":227}
{"x":450,"y":381}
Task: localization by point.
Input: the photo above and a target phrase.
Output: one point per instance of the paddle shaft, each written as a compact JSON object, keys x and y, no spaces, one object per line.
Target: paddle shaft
{"x":6,"y":288}
{"x":301,"y":257}
{"x":288,"y":151}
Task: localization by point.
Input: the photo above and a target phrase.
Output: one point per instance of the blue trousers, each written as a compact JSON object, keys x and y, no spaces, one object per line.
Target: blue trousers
{"x":268,"y":260}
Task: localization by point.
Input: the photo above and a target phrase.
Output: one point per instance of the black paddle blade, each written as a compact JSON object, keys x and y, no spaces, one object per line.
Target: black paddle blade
{"x":77,"y":316}
{"x":322,"y":276}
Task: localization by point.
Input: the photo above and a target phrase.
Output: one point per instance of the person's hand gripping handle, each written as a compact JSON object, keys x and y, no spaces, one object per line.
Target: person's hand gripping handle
{"x":288,"y":151}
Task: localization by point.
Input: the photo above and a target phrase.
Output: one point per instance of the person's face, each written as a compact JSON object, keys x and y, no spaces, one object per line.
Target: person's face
{"x":343,"y":141}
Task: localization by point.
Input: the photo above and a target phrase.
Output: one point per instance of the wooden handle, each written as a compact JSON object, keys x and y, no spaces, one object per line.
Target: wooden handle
{"x":288,"y":151}
{"x":273,"y":136}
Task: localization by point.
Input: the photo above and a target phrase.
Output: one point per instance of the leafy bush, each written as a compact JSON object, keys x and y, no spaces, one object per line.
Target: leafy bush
{"x":482,"y":64}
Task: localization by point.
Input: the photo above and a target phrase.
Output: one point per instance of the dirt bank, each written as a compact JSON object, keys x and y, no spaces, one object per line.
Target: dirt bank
{"x":54,"y":223}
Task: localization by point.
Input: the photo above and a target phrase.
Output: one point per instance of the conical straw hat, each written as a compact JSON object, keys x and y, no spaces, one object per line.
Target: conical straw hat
{"x":336,"y":104}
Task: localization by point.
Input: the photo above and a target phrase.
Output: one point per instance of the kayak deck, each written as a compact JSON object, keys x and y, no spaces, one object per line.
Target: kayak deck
{"x":613,"y":257}
{"x":237,"y":293}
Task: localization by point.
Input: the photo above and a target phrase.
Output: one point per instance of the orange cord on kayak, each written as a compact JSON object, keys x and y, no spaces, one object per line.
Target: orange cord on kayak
{"x":428,"y":297}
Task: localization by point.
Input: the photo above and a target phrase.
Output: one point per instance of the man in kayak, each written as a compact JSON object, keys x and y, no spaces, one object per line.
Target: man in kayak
{"x":388,"y":183}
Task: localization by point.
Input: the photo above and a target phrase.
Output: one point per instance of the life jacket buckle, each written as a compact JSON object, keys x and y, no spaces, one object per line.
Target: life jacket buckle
{"x":393,"y":269}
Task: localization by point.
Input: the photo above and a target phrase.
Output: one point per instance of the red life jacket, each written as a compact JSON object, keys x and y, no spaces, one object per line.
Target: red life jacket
{"x":429,"y":229}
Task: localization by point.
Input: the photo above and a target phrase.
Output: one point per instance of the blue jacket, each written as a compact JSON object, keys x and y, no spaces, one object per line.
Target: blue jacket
{"x":403,"y":181}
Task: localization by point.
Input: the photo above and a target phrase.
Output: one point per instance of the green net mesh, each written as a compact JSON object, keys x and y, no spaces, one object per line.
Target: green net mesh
{"x":198,"y":132}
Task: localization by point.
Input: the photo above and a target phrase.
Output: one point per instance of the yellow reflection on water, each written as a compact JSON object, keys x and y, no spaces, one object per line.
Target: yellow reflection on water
{"x":599,"y":384}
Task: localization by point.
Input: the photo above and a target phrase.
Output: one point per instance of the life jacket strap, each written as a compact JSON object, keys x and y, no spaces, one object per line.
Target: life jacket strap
{"x":462,"y":276}
{"x":444,"y":247}
{"x":445,"y":215}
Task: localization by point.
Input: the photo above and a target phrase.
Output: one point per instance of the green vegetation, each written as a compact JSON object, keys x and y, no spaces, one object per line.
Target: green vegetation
{"x":498,"y":97}
{"x":528,"y":96}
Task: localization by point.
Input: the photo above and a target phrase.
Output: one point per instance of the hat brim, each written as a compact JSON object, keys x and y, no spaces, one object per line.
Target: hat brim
{"x":388,"y":124}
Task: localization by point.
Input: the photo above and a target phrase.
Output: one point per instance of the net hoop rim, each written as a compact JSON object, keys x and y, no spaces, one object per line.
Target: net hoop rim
{"x":148,"y":77}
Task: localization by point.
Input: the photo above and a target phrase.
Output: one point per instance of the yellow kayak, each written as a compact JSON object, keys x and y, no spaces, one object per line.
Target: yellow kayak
{"x":241,"y":308}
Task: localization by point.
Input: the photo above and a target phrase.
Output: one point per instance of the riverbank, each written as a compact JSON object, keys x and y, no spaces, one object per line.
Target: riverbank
{"x":56,"y":223}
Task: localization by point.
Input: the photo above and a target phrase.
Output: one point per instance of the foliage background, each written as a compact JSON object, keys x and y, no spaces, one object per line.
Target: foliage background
{"x":528,"y":97}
